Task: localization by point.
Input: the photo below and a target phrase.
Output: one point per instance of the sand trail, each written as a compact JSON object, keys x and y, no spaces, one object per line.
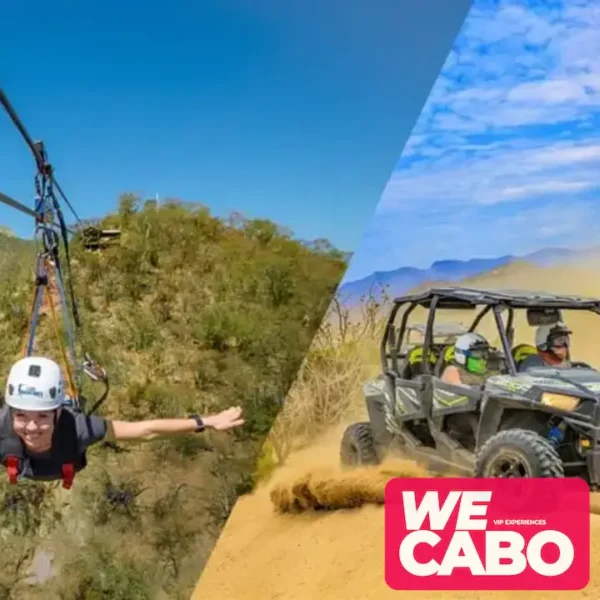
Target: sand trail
{"x":275,"y":546}
{"x":300,"y":553}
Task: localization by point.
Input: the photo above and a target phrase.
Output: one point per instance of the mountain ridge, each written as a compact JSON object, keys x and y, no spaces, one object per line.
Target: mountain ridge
{"x":403,"y":279}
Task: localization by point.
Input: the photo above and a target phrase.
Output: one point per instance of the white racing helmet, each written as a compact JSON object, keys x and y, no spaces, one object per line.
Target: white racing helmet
{"x":35,"y":383}
{"x":471,"y":351}
{"x":466,"y":344}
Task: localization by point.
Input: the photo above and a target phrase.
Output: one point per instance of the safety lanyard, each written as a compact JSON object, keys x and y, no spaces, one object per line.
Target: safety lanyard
{"x":49,"y":277}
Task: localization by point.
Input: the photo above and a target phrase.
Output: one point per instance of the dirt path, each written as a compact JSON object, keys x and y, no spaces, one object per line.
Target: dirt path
{"x":265,"y":555}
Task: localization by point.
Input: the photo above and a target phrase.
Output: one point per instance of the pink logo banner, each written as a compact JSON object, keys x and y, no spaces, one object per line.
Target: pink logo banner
{"x":487,"y":534}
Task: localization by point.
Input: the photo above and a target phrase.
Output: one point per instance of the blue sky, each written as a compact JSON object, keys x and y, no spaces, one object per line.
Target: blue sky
{"x":505,"y":157}
{"x":294,"y":111}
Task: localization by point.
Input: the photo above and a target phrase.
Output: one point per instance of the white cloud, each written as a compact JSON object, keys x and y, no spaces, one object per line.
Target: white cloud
{"x":494,"y":174}
{"x":506,"y":153}
{"x":548,"y":92}
{"x":517,"y":65}
{"x":548,"y":187}
{"x":568,"y":155}
{"x":515,"y":69}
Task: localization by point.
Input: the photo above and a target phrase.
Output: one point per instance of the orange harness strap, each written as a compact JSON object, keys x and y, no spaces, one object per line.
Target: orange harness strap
{"x":61,"y":346}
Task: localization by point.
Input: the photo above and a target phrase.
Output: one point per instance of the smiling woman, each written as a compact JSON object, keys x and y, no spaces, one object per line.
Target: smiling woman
{"x":41,"y":439}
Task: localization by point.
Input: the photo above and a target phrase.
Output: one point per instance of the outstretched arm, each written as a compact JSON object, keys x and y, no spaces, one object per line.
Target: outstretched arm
{"x":148,"y":430}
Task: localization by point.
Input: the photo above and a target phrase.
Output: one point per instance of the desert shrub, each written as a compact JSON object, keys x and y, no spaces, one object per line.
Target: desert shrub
{"x":329,"y":382}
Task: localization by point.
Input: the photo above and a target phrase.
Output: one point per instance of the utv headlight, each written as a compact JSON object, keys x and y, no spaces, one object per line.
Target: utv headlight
{"x":560,"y":401}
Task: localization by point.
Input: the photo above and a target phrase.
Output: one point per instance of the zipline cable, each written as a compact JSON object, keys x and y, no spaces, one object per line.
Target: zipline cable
{"x":34,"y":147}
{"x":19,"y":125}
{"x":48,"y":264}
{"x":14,"y":204}
{"x":46,"y":174}
{"x":22,"y":208}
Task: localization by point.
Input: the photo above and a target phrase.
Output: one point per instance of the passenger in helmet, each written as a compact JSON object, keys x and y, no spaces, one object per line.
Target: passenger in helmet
{"x":552,"y":343}
{"x":470,"y":363}
{"x":42,"y":439}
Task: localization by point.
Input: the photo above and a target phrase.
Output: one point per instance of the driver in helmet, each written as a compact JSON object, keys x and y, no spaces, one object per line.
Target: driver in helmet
{"x":470,"y":363}
{"x":40,"y":436}
{"x":552,"y":343}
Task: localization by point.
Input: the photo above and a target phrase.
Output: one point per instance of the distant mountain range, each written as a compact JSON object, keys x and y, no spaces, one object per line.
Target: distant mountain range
{"x":404,"y":279}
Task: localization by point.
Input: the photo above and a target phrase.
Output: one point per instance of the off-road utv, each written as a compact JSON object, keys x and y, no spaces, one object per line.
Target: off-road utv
{"x":543,"y":422}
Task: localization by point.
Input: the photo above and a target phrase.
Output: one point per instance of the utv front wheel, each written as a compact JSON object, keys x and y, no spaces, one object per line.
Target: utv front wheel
{"x":518,"y":453}
{"x":358,"y":447}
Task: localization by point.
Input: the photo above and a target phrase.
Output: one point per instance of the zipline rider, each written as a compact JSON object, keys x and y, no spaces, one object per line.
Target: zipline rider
{"x":43,"y":440}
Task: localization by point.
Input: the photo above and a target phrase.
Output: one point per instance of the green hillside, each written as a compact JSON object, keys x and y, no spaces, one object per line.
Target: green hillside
{"x":188,"y":313}
{"x":15,"y":254}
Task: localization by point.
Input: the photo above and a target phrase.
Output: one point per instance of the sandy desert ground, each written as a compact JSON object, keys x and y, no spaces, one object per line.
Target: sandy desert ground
{"x":264,"y":554}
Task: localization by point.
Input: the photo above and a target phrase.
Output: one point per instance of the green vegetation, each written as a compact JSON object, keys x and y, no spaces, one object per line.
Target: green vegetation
{"x":189,"y":313}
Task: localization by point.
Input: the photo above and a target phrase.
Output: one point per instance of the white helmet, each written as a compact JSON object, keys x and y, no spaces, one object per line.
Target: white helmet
{"x":546,"y":334}
{"x":467,"y":343}
{"x":35,"y":383}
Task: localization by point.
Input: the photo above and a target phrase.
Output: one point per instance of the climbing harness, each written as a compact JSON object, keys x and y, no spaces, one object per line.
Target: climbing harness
{"x":50,"y":282}
{"x":49,"y":279}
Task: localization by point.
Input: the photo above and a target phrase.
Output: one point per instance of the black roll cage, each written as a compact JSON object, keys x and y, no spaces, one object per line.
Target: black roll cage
{"x":469,"y":299}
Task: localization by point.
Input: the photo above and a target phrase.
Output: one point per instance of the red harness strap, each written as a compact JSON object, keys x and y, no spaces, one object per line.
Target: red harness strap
{"x":12,"y":467}
{"x":68,"y":474}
